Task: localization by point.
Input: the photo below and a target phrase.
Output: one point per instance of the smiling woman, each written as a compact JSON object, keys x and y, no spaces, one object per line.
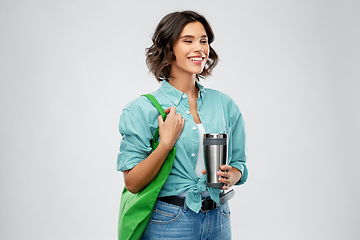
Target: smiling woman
{"x":181,"y":55}
{"x":191,"y":51}
{"x":172,"y":29}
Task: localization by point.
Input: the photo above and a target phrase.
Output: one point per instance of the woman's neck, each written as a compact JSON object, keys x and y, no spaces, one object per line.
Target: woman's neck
{"x":185,"y":84}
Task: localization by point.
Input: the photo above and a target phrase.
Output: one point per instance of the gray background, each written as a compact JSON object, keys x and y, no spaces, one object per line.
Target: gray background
{"x":67,"y":68}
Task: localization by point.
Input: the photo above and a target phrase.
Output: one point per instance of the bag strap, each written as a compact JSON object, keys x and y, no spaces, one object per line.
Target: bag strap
{"x":160,"y":109}
{"x":156,"y":104}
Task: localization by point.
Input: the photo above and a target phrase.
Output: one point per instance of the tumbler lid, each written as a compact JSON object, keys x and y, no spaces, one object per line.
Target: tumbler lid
{"x":215,"y":139}
{"x":215,"y":135}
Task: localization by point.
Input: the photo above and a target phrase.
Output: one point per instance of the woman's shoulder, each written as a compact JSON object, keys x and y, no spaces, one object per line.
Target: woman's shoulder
{"x":141,"y":108}
{"x":139,"y":103}
{"x":137,"y":113}
{"x":229,"y":106}
{"x":135,"y":103}
{"x":216,"y":94}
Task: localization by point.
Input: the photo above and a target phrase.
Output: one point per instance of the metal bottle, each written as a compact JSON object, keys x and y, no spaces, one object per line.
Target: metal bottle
{"x":215,"y":155}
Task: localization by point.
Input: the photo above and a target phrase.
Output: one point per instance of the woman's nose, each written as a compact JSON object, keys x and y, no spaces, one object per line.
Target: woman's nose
{"x":198,"y":47}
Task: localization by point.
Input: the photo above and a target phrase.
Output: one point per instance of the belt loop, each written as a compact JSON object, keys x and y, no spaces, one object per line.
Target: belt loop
{"x":185,"y":207}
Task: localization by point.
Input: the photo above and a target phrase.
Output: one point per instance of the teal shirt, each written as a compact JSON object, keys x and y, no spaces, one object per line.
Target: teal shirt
{"x":218,"y":114}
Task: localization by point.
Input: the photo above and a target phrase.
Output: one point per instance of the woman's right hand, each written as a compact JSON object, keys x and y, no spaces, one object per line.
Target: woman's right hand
{"x":171,"y":128}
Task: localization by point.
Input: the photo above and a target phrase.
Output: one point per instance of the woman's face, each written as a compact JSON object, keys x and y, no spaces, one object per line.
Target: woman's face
{"x":191,"y":50}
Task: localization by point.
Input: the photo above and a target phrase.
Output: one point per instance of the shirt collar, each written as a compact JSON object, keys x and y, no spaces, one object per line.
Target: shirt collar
{"x":202,"y":90}
{"x":175,"y":96}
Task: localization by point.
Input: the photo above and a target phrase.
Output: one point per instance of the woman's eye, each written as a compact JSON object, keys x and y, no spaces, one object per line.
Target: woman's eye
{"x":187,"y":41}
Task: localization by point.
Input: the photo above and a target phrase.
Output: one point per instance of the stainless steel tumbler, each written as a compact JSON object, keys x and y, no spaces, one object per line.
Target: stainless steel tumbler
{"x":215,"y":154}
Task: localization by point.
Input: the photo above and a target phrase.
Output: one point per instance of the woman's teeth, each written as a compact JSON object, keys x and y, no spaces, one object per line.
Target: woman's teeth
{"x":195,"y":58}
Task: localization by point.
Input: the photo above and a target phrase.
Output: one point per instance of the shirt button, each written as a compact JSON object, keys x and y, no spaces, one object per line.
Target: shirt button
{"x":194,"y":128}
{"x":176,"y":101}
{"x":193,"y":154}
{"x":184,"y":96}
{"x":187,"y":112}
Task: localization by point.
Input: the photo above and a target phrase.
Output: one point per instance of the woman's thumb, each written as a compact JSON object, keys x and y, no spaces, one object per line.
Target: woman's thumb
{"x":160,"y":120}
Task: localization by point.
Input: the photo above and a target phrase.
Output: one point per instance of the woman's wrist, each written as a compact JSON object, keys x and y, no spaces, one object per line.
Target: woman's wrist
{"x":165,"y":147}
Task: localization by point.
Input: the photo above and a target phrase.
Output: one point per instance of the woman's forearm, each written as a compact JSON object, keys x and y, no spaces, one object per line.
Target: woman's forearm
{"x":144,"y":172}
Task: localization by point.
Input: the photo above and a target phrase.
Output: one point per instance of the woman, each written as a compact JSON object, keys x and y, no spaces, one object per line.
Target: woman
{"x":180,"y":56}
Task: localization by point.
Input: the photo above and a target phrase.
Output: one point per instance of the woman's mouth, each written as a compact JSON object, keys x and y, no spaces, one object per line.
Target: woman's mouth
{"x":196,"y":60}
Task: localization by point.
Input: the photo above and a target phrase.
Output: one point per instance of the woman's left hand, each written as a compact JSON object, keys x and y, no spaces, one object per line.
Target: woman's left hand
{"x":229,"y":176}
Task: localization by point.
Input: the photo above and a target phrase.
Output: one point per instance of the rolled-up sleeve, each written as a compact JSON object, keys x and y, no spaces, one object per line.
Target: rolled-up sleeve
{"x":238,"y":145}
{"x":135,"y":143}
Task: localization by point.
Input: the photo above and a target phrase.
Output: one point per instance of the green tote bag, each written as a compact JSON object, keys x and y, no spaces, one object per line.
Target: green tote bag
{"x":136,"y":209}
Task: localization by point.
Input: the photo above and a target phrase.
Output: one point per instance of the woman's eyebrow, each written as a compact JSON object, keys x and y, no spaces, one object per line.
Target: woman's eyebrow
{"x":191,"y":36}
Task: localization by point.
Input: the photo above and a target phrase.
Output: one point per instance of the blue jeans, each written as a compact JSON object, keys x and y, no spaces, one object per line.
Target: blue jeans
{"x":173,"y":222}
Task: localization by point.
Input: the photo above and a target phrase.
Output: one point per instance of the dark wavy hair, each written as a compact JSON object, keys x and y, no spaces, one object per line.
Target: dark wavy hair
{"x":160,"y":55}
